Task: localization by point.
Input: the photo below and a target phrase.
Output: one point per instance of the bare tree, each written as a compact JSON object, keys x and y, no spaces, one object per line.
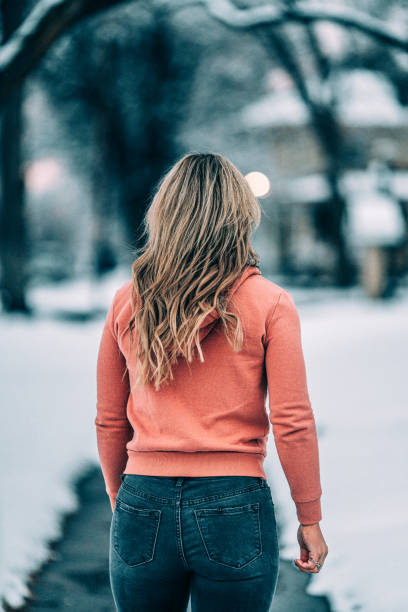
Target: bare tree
{"x":50,"y":18}
{"x":310,"y":12}
{"x":267,"y":23}
{"x":30,"y":38}
{"x":27,"y":38}
{"x":133,"y":142}
{"x":13,"y":242}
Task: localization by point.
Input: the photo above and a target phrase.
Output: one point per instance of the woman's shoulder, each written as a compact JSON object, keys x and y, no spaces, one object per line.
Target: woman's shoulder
{"x":124,"y":289}
{"x":122,"y":295}
{"x":264,"y":288}
{"x":268,"y":284}
{"x":273,"y":300}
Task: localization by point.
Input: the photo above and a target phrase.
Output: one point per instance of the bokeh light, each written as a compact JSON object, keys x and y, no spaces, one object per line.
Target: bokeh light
{"x":259,"y":183}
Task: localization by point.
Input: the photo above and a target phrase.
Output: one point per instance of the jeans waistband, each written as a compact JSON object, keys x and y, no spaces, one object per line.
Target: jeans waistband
{"x":167,"y":489}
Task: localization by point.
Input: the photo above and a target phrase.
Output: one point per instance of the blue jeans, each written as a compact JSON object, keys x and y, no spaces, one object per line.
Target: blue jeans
{"x":211,"y":537}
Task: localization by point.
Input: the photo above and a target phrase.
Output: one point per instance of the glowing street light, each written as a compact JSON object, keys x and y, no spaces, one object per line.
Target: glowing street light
{"x":259,"y":183}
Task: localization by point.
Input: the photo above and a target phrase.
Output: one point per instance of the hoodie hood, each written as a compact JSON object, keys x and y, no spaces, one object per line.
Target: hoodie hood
{"x":212,"y":317}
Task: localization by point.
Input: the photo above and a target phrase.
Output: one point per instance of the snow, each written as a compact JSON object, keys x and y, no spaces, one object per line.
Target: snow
{"x":277,"y":109}
{"x":374,"y":219}
{"x":333,"y":39}
{"x":374,"y":215}
{"x":356,"y":180}
{"x":48,"y":437}
{"x":48,"y":373}
{"x":364,"y":99}
{"x":314,"y":187}
{"x":309,"y":188}
{"x":367,"y":98}
{"x":356,"y":356}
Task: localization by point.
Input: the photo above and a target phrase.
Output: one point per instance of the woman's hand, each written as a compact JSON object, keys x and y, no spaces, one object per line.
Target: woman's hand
{"x":312,"y":548}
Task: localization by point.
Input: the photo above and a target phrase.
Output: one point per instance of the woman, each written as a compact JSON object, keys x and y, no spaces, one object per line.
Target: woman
{"x":190,"y":348}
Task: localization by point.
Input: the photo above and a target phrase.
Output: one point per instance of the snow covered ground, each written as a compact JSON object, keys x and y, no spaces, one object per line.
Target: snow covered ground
{"x":356,"y":355}
{"x":48,"y":391}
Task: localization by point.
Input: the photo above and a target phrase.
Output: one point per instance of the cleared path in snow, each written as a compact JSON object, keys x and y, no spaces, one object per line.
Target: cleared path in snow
{"x":77,"y":578}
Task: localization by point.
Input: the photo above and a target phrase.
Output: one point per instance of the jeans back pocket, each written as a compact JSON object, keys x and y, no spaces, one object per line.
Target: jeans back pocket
{"x":231,"y":535}
{"x":135,"y":532}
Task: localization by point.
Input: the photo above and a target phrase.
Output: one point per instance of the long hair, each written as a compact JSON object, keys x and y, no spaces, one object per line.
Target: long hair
{"x":198,"y":229}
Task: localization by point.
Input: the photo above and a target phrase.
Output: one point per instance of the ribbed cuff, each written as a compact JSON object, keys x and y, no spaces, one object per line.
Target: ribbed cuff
{"x":309,"y":512}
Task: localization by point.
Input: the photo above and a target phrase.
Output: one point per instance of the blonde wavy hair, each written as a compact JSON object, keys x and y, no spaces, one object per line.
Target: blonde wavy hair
{"x":198,"y":229}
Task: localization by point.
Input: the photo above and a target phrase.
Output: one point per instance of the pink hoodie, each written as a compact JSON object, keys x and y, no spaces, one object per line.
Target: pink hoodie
{"x":211,"y":420}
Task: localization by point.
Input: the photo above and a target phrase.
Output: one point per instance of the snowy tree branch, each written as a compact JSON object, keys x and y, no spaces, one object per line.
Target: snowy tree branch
{"x":51,"y":18}
{"x":226,"y":12}
{"x":44,"y":24}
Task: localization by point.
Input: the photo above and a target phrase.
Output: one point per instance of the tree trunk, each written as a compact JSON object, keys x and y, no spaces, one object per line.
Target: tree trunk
{"x":328,"y":134}
{"x":13,"y":232}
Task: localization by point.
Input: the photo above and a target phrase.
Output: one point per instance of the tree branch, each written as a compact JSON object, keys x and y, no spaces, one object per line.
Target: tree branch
{"x":30,"y":41}
{"x":51,"y":18}
{"x":226,"y":12}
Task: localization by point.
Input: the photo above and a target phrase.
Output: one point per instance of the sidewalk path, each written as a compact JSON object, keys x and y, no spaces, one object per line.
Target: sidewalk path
{"x":77,"y":578}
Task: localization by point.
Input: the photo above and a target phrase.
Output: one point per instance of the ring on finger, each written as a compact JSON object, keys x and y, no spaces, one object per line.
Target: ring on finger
{"x":317,"y":564}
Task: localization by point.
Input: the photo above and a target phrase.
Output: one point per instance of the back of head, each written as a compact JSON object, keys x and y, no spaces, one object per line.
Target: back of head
{"x":198,"y":228}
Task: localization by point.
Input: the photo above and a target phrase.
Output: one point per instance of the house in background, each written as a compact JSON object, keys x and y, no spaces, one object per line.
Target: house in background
{"x":374,"y":126}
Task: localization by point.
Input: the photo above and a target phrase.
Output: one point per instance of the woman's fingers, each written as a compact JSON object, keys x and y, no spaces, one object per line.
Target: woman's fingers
{"x":306,"y":566}
{"x":306,"y":562}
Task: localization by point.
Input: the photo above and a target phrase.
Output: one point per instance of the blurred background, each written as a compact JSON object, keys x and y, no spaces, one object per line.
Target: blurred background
{"x":310,"y":100}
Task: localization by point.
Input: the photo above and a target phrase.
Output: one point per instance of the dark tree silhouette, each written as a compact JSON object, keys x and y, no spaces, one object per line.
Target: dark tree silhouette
{"x":28,"y":35}
{"x":13,"y":240}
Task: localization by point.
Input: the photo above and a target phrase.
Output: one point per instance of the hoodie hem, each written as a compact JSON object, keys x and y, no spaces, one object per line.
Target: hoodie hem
{"x":200,"y":463}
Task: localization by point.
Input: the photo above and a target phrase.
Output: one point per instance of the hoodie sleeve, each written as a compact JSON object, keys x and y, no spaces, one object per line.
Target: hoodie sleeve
{"x":112,"y":426}
{"x":290,"y":410}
